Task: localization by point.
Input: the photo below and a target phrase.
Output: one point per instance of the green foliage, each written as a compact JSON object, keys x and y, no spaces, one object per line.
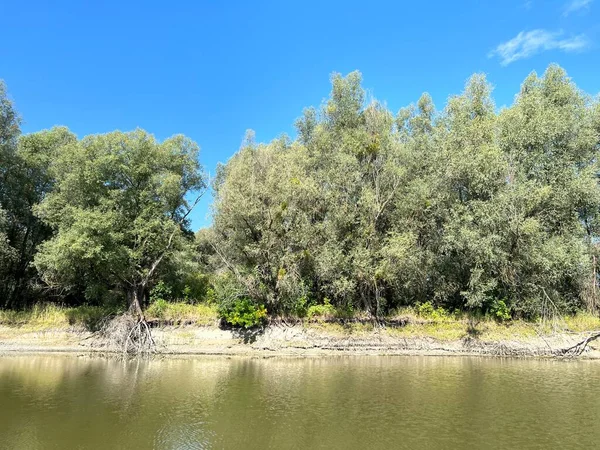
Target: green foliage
{"x":187,"y":293}
{"x":456,"y":206}
{"x":324,"y":311}
{"x":500,"y":310}
{"x":211,"y":296}
{"x":24,"y":181}
{"x":244,"y":313}
{"x":301,"y":306}
{"x":161,"y":292}
{"x":428,"y":311}
{"x":118,"y":210}
{"x":370,"y":210}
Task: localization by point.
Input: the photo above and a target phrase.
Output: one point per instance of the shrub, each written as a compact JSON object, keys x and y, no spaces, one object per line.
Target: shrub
{"x":157,"y":308}
{"x":187,"y":292}
{"x":192,"y":287}
{"x":500,"y":310}
{"x":324,"y":311}
{"x":244,"y":313}
{"x":428,"y":311}
{"x":211,"y":296}
{"x":301,"y":306}
{"x":425,"y":309}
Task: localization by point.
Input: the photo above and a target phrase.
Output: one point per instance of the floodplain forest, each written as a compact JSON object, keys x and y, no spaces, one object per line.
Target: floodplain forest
{"x":467,"y":208}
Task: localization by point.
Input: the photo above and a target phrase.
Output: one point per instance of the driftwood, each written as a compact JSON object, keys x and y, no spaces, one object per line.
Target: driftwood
{"x":580,"y":347}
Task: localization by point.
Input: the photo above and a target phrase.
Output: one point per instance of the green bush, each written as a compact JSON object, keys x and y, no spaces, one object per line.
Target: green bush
{"x":500,"y":310}
{"x":157,"y":308}
{"x":193,"y":287}
{"x":187,"y":294}
{"x":428,"y":311}
{"x":425,"y":309}
{"x":244,"y":313}
{"x":301,"y":306}
{"x":324,"y":311}
{"x":211,"y":296}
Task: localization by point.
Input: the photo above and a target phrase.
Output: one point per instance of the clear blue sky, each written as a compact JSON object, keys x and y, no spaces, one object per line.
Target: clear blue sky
{"x":211,"y":70}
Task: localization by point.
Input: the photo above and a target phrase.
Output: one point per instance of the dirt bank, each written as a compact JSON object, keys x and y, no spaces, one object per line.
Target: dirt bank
{"x":304,"y":340}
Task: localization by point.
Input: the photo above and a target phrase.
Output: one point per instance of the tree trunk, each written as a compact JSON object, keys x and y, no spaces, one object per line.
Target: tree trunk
{"x":135,"y":297}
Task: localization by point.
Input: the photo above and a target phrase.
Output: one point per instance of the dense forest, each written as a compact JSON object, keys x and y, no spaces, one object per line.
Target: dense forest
{"x":471,"y":207}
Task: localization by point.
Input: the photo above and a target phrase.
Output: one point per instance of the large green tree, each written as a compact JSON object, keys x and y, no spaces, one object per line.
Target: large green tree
{"x":119,"y":210}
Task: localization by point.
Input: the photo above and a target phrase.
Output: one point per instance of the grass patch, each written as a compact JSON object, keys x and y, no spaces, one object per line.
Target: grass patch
{"x":54,"y":317}
{"x":199,"y":314}
{"x":442,"y":326}
{"x":442,"y":330}
{"x":582,"y":322}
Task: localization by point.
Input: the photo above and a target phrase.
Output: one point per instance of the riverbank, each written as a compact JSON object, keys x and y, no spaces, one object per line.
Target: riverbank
{"x":200,"y":334}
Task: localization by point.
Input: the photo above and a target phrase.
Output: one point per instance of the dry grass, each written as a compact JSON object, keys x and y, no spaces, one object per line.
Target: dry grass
{"x":53,"y":317}
{"x":441,"y":326}
{"x":450,"y":327}
{"x":582,"y":322}
{"x":182,"y":313}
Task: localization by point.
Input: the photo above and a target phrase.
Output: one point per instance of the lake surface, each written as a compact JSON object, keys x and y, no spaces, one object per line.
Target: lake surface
{"x":69,"y":402}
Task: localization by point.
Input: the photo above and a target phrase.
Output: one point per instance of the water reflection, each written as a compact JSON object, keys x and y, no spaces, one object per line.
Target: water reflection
{"x":347,"y":402}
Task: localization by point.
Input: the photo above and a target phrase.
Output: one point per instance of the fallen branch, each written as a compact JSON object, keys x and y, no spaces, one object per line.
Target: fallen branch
{"x":580,"y":347}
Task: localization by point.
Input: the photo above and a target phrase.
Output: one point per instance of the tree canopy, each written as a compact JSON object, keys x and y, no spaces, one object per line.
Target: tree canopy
{"x":366,"y":209}
{"x":462,"y":207}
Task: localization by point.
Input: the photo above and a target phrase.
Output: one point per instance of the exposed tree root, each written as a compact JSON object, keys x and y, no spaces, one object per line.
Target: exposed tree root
{"x":130,"y":334}
{"x":139,"y":340}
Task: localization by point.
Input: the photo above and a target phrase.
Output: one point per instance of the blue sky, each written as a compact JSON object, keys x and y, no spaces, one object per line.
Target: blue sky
{"x":211,"y":70}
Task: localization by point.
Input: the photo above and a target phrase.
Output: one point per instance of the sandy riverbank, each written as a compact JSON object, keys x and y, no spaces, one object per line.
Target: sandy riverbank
{"x":300,"y":340}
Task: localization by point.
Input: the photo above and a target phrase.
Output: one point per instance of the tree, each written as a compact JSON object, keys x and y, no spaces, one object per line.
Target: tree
{"x":465,"y":207}
{"x":119,"y":208}
{"x":9,"y":132}
{"x":551,"y":136}
{"x":260,"y":199}
{"x":24,"y":162}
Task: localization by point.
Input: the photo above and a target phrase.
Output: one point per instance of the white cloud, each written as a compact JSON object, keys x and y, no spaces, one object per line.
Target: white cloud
{"x":528,"y":43}
{"x":576,"y":5}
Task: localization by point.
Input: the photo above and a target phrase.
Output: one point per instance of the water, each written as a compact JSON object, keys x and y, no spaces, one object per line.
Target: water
{"x":69,"y":402}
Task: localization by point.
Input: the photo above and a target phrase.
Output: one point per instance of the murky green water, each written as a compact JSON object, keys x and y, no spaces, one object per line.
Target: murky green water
{"x":68,"y":402}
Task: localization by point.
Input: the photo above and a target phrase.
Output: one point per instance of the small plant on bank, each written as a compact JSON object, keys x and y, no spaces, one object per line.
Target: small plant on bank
{"x":211,"y":297}
{"x":428,"y":311}
{"x":158,"y":308}
{"x":500,"y":310}
{"x":301,"y":306}
{"x":324,"y":311}
{"x":244,"y":313}
{"x":187,"y":294}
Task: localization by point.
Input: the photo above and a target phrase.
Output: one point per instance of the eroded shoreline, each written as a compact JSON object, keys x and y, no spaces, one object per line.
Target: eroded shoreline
{"x":298,"y":340}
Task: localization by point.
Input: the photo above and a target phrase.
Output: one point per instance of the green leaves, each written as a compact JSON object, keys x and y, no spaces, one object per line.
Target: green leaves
{"x":464,"y":207}
{"x":118,"y":208}
{"x":460,"y":207}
